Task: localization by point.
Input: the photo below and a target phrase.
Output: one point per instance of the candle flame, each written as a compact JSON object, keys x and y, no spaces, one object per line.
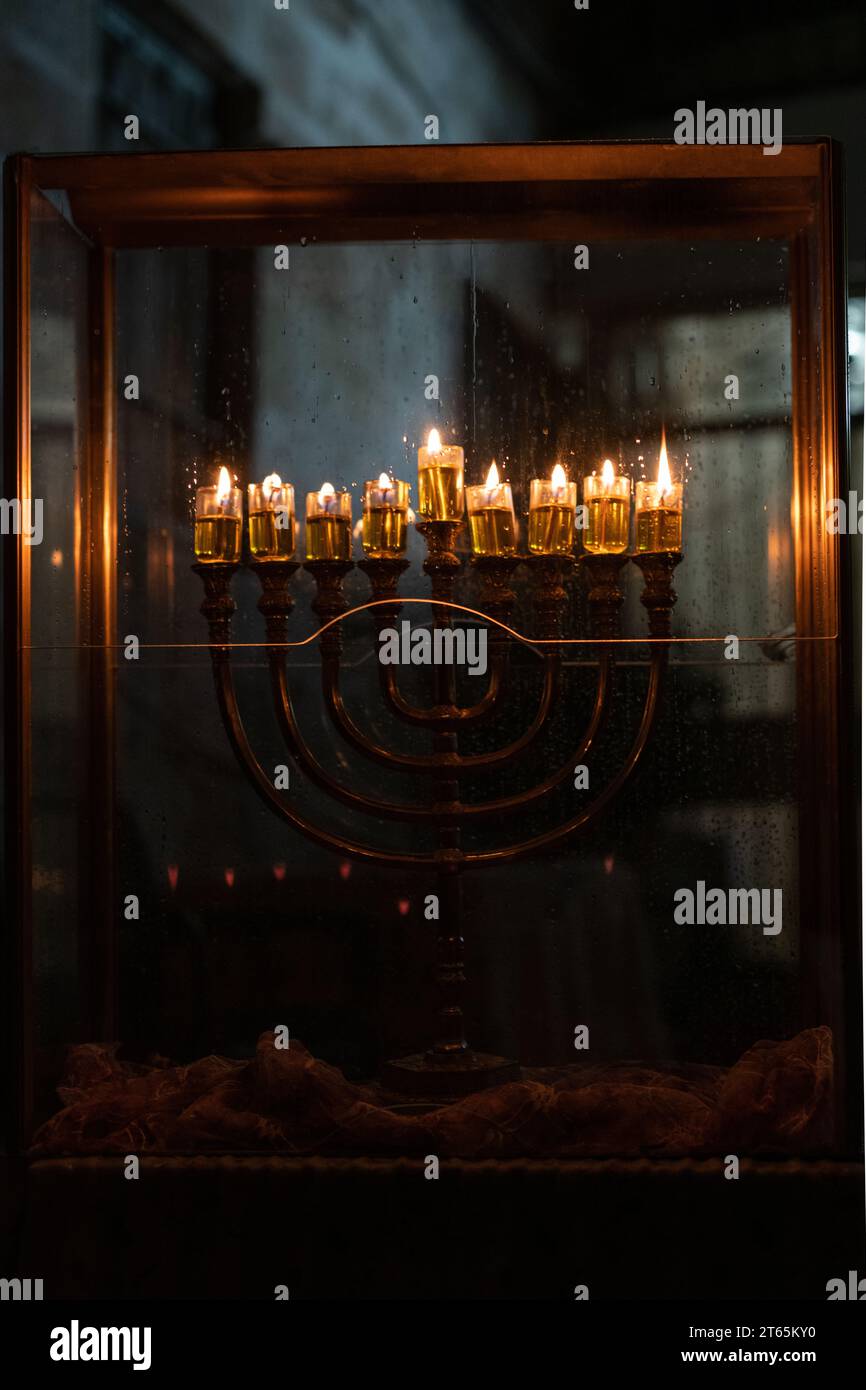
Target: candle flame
{"x":224,"y":486}
{"x":492,"y":479}
{"x":434,"y":443}
{"x":384,"y":480}
{"x":327,"y":490}
{"x":607,"y":473}
{"x":664,"y":478}
{"x":557,"y":477}
{"x":272,"y":483}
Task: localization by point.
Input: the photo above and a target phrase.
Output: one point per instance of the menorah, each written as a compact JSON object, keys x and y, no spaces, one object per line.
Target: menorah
{"x":449,"y":1066}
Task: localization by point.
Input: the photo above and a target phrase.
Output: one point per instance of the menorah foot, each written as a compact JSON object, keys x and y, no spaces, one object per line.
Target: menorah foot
{"x":424,"y":1075}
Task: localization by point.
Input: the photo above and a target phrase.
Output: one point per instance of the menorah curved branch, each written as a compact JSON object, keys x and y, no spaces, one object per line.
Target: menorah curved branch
{"x":449,"y":1066}
{"x":434,"y":718}
{"x":473,"y":811}
{"x":435,"y":762}
{"x":590,"y":813}
{"x":239,"y":742}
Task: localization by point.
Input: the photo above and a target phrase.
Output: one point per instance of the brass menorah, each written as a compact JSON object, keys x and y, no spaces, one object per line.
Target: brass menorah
{"x":449,"y":1067}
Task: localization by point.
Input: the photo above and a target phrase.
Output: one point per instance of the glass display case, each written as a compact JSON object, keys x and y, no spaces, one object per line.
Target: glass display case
{"x":430,"y":701}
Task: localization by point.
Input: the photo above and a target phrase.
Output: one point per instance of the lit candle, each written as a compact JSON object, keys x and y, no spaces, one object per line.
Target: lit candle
{"x":329,"y":524}
{"x":386,"y":509}
{"x":551,"y":514}
{"x":607,"y":499}
{"x":440,"y":481}
{"x":659,"y":508}
{"x":272,"y":519}
{"x":218,"y":512}
{"x":491,"y":516}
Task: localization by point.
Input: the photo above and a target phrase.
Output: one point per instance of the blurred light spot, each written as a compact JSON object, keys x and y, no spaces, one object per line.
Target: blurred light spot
{"x":608,"y":863}
{"x":345,"y":869}
{"x":279,"y":872}
{"x":172,"y":875}
{"x":57,"y":558}
{"x":403,"y":906}
{"x":229,"y":875}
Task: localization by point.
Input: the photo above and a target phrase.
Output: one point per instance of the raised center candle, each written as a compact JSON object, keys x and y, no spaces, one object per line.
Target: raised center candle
{"x":551,"y":514}
{"x":218,"y":512}
{"x":607,"y":499}
{"x":272,"y":519}
{"x":659,"y":508}
{"x":440,"y":481}
{"x":491,"y":516}
{"x":329,"y":524}
{"x":386,"y":510}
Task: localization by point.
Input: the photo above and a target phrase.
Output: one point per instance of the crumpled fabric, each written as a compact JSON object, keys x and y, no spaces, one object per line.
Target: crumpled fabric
{"x":775,"y":1099}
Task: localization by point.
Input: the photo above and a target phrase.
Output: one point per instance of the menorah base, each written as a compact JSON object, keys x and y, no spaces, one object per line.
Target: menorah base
{"x":425,"y":1075}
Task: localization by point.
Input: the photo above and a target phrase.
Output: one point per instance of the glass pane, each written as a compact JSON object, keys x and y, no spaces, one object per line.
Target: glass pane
{"x":335,"y":369}
{"x":325,"y":371}
{"x":59,"y":397}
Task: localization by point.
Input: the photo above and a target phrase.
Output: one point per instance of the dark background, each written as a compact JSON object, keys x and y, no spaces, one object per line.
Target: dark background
{"x":331,"y":72}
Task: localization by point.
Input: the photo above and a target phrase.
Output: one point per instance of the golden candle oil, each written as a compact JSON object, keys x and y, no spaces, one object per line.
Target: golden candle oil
{"x":268,"y":540}
{"x":440,"y":492}
{"x":492,"y":531}
{"x":659,"y":529}
{"x":551,"y":529}
{"x":607,"y":525}
{"x":217,"y":538}
{"x":383,"y":531}
{"x":329,"y":538}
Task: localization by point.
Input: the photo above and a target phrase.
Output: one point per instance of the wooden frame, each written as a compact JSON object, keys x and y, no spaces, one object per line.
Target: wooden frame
{"x":534,"y":192}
